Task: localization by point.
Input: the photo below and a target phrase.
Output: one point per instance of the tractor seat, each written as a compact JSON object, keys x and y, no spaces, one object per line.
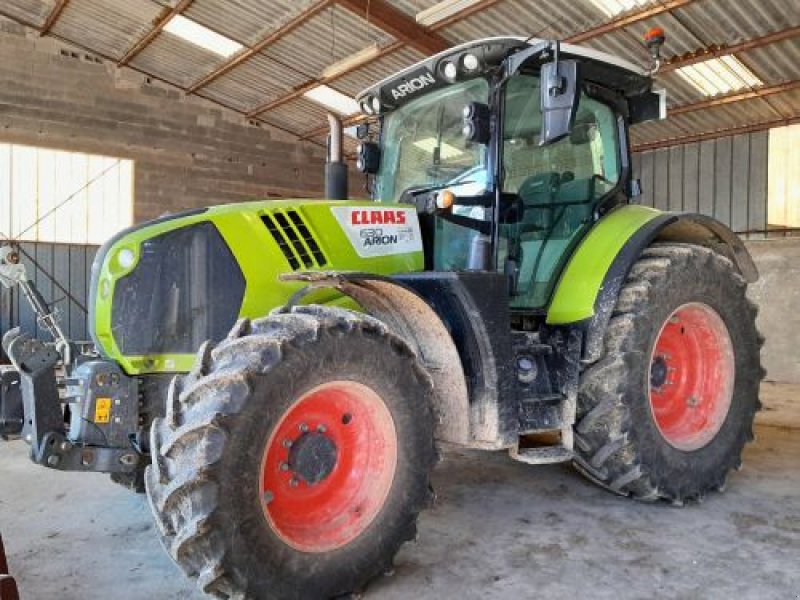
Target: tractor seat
{"x":539,"y":190}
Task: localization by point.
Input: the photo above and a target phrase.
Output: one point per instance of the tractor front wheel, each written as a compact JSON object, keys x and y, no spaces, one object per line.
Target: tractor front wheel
{"x":294,"y":459}
{"x":666,"y":412}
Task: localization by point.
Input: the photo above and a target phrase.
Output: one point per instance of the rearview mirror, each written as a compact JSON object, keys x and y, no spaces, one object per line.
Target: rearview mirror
{"x":368,"y":157}
{"x":560,"y":92}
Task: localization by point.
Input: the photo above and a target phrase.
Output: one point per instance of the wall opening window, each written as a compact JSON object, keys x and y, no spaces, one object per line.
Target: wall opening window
{"x":783,"y":188}
{"x":69,"y":197}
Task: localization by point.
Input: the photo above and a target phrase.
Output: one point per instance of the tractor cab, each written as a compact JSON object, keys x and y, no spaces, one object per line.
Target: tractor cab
{"x":511,"y":148}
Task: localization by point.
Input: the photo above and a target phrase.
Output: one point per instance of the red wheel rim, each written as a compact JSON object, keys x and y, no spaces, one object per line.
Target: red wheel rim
{"x":691,"y":376}
{"x":328,"y":466}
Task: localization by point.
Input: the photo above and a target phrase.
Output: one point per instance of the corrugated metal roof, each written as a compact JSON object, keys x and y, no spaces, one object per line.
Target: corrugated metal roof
{"x":176,"y":60}
{"x":557,"y":19}
{"x":363,"y":77}
{"x":110,"y":27}
{"x":257,"y":81}
{"x":412,"y":7}
{"x":726,"y":116}
{"x":113,"y":27}
{"x":299,"y":115}
{"x":326,"y":38}
{"x":734,"y":21}
{"x":30,"y":11}
{"x":246,"y":21}
{"x":775,"y":63}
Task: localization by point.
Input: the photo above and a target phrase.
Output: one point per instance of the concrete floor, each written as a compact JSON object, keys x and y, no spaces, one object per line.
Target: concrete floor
{"x":500,"y":529}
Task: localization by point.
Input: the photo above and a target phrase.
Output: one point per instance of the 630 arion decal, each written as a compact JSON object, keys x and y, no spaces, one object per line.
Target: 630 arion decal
{"x":380,"y":231}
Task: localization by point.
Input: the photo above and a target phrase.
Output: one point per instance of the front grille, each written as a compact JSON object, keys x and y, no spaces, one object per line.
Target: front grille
{"x":186,"y":288}
{"x":294,"y":238}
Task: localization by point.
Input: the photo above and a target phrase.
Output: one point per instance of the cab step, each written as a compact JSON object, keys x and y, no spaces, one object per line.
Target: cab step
{"x":544,"y":455}
{"x":538,"y":414}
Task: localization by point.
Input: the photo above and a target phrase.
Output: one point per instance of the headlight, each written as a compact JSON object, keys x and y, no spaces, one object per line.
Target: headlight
{"x":366,"y":106}
{"x":450,"y":71}
{"x":125,"y":258}
{"x":376,"y":104}
{"x":470,"y":62}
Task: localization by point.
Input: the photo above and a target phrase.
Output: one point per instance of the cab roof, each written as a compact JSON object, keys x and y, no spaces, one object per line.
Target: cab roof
{"x":426,"y":75}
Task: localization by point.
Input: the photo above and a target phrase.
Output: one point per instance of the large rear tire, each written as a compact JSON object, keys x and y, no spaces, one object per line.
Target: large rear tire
{"x":294,"y":459}
{"x":666,"y":412}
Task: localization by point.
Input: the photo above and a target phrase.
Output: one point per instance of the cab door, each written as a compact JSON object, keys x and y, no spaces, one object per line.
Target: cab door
{"x":557,"y":188}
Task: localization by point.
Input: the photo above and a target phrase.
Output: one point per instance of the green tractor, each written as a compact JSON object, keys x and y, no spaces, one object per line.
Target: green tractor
{"x":278,"y":375}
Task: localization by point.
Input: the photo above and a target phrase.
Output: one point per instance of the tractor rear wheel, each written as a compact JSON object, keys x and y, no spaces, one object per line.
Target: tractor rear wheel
{"x":666,"y":412}
{"x":294,"y":459}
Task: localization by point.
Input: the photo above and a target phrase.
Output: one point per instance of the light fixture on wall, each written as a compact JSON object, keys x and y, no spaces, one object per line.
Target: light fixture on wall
{"x":200,"y":35}
{"x":442,"y":10}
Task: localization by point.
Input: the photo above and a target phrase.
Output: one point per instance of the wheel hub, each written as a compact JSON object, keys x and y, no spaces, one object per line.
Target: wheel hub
{"x":658,"y":372}
{"x":692,"y":372}
{"x":328,"y":466}
{"x":312,"y":457}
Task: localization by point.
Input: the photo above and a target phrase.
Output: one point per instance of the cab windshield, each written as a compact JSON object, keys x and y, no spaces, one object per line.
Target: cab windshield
{"x":423,"y":145}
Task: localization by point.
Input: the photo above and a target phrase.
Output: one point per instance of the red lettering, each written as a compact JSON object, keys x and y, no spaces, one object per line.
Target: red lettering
{"x":378,"y":217}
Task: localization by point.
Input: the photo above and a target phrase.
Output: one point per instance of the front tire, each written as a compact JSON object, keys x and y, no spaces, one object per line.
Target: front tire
{"x":666,"y":412}
{"x":294,"y":459}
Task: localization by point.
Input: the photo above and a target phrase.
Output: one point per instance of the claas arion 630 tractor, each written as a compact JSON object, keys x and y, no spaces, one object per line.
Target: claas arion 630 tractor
{"x":277,"y":375}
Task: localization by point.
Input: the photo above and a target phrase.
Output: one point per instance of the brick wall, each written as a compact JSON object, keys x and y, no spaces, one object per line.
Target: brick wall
{"x":189,"y":152}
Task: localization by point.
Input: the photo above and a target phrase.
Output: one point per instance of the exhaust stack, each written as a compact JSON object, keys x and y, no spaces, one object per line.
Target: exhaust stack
{"x":335,"y":167}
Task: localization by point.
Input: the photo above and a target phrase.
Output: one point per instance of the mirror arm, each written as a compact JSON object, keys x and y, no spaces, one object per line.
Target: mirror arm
{"x":514,"y":62}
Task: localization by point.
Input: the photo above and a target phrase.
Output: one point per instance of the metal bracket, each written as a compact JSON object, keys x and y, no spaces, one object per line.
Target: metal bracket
{"x":57,"y":452}
{"x":36,"y":363}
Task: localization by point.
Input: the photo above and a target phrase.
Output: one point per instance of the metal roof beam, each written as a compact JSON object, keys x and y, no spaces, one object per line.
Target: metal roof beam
{"x":475,"y":8}
{"x":718,"y":133}
{"x":397,"y":24}
{"x":270,"y":39}
{"x":158,"y":26}
{"x":717,"y":51}
{"x":629,"y":19}
{"x":53,"y":16}
{"x":761,"y":92}
{"x":301,"y":89}
{"x":312,"y":83}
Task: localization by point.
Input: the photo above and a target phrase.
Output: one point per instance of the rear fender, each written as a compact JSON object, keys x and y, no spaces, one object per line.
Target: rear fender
{"x":588,"y":289}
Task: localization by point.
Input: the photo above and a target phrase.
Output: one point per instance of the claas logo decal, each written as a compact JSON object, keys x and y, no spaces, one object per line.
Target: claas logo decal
{"x":378,"y":217}
{"x":380,"y":231}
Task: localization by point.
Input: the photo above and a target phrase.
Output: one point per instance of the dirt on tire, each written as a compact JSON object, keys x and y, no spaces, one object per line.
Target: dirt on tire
{"x":204,"y":483}
{"x":617,"y":441}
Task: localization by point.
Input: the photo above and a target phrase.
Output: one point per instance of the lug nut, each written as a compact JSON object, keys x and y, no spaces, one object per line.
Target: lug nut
{"x":293,"y":482}
{"x":322,"y":428}
{"x":267,"y":497}
{"x":287,"y":443}
{"x":284,"y":466}
{"x":303,"y":427}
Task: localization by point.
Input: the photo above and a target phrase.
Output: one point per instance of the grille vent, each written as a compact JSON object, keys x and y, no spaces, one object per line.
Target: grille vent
{"x":295,"y":240}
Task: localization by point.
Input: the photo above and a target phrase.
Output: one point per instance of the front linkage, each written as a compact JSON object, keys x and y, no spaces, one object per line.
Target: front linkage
{"x":78,"y":412}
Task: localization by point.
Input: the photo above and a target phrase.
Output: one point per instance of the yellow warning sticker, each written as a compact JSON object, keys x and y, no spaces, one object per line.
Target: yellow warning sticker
{"x":102,"y":410}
